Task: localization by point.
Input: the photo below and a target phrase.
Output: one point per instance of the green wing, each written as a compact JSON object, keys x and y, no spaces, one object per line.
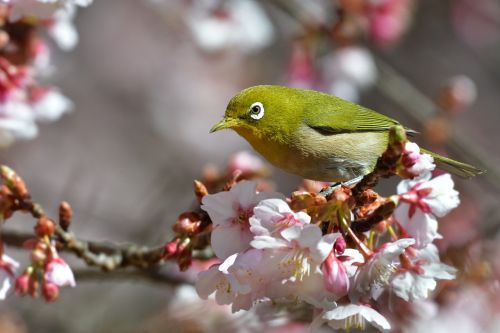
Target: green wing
{"x":331,"y":115}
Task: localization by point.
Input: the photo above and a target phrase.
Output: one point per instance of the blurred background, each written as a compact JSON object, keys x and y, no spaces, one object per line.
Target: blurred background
{"x":148,"y":80}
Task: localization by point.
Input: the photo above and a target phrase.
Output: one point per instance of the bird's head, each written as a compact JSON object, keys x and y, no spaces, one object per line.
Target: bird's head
{"x":260,"y":111}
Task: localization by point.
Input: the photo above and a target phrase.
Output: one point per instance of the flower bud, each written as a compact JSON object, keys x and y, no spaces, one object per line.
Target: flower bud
{"x":335,"y":275}
{"x":22,"y":284}
{"x":50,"y":291}
{"x":187,"y":224}
{"x":340,"y":245}
{"x":13,"y":181}
{"x":45,"y":227}
{"x":65,"y":215}
{"x":200,"y":190}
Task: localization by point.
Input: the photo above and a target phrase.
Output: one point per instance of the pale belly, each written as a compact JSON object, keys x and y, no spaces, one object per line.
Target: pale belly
{"x":333,"y":158}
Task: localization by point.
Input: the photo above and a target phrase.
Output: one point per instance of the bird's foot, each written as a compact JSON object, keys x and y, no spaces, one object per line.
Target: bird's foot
{"x":329,"y":190}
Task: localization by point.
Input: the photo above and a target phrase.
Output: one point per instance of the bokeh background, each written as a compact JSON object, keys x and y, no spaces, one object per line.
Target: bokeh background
{"x":146,"y":92}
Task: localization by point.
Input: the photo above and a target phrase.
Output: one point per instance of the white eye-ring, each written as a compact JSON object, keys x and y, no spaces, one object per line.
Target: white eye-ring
{"x":256,"y":110}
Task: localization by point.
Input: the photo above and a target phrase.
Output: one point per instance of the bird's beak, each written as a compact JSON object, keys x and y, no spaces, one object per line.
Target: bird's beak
{"x":224,"y":123}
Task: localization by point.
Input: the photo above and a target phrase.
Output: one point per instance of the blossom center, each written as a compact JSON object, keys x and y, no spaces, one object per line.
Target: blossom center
{"x":355,"y":321}
{"x":243,"y":216}
{"x":382,"y":272}
{"x":415,"y":197}
{"x":297,"y":262}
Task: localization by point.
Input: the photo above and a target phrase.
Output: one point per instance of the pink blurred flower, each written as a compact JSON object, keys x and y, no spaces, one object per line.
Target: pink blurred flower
{"x":7,"y":269}
{"x":61,"y":28}
{"x":423,"y":200}
{"x":388,"y":19}
{"x":245,"y":162}
{"x":348,"y":70}
{"x":301,"y":72}
{"x":416,"y":283}
{"x":239,"y":25}
{"x":230,"y":212}
{"x":48,"y":103}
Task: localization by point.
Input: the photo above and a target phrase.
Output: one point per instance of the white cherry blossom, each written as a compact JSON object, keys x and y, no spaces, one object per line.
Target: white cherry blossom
{"x":230,"y":212}
{"x":422,"y":201}
{"x":413,"y":285}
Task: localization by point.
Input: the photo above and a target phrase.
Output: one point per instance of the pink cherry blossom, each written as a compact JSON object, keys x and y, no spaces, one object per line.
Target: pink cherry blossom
{"x":303,"y":248}
{"x":421,"y":202}
{"x":58,"y":272}
{"x":236,"y":281}
{"x":372,"y":278}
{"x":271,"y":216}
{"x":7,"y":278}
{"x":415,"y":284}
{"x":230,"y":212}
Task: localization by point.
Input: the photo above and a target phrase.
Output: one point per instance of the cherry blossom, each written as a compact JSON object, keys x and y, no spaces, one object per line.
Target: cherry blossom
{"x":352,"y":316}
{"x":236,"y":281}
{"x":372,"y":278}
{"x":416,"y":283}
{"x":421,"y":202}
{"x":230,"y":212}
{"x":58,"y":272}
{"x":274,"y":215}
{"x":303,"y":247}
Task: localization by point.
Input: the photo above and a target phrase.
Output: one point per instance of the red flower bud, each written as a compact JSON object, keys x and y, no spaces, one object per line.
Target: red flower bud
{"x":45,"y":227}
{"x":50,"y":291}
{"x":22,"y":284}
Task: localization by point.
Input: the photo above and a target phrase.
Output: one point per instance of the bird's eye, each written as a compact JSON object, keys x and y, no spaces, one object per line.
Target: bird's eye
{"x":256,"y":110}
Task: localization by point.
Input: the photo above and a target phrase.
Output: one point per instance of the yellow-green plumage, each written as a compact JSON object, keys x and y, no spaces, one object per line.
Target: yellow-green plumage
{"x":315,"y":135}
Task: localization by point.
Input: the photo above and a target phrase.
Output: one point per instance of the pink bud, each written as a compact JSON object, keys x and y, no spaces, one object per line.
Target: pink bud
{"x":335,"y":275}
{"x":50,"y":291}
{"x":340,"y":245}
{"x":22,"y":284}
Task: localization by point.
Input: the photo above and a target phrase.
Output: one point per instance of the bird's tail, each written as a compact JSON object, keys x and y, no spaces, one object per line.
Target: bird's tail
{"x":457,"y":168}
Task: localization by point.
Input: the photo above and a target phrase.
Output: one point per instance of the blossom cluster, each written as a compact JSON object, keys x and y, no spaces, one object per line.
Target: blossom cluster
{"x":25,"y":60}
{"x":309,"y":249}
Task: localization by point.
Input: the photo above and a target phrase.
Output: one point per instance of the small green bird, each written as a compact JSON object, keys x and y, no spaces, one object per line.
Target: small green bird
{"x":315,"y":135}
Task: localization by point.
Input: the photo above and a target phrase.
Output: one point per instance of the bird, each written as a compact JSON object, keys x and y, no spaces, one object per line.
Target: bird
{"x":315,"y":135}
